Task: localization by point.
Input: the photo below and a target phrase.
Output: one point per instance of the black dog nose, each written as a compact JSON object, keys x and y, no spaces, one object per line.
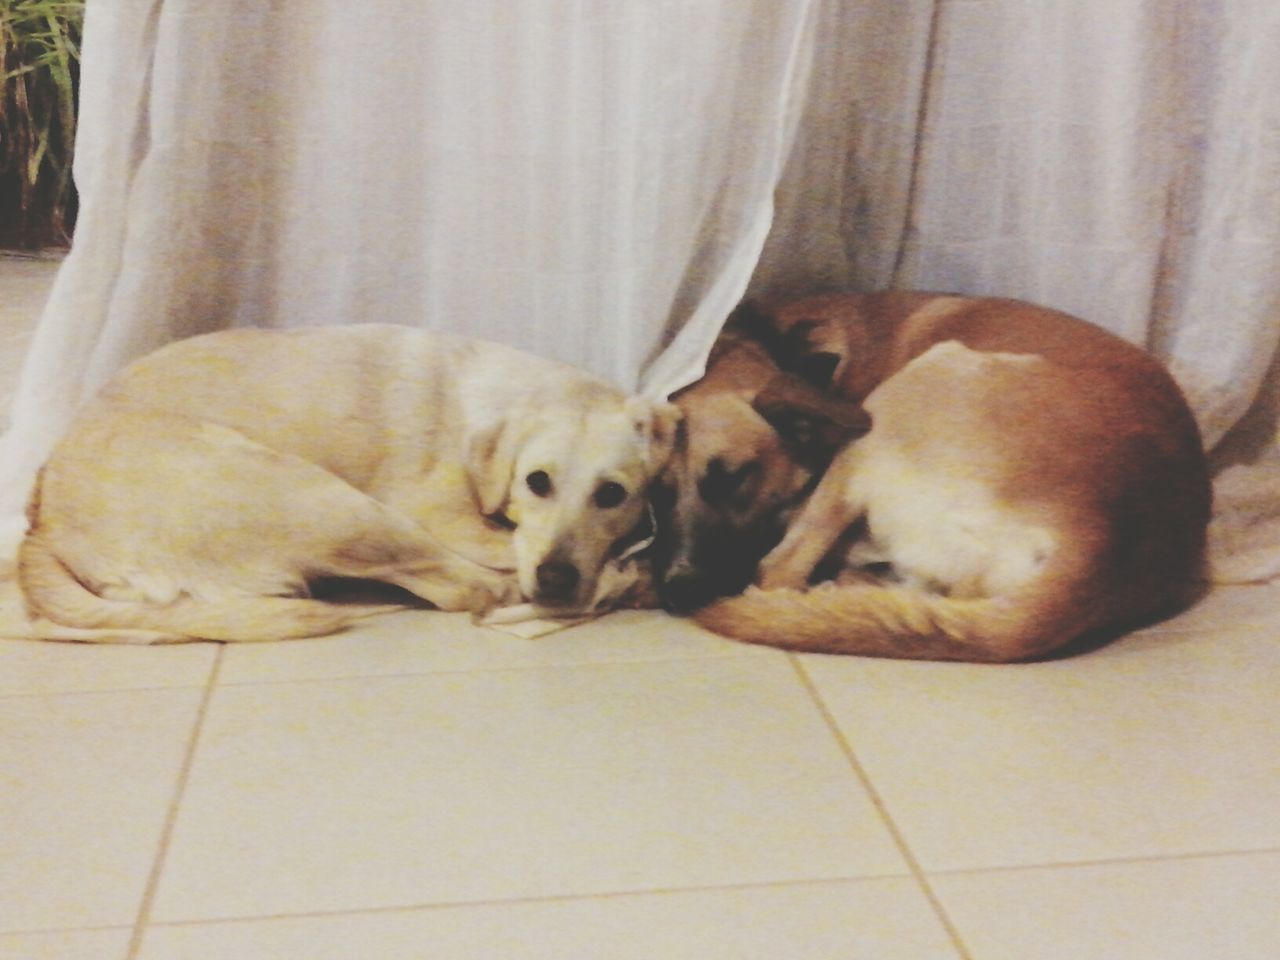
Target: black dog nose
{"x":686,"y":593}
{"x":557,"y":580}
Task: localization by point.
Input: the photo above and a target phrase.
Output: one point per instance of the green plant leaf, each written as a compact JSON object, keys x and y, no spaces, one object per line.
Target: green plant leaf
{"x":39,"y":62}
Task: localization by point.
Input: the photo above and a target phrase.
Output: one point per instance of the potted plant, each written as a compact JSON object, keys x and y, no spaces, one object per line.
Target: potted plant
{"x":39,"y":75}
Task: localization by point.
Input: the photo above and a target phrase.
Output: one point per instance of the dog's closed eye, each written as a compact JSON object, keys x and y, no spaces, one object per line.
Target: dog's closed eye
{"x":722,"y":485}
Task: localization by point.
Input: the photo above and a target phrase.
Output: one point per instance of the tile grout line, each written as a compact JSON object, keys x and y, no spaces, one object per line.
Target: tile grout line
{"x":531,"y":900}
{"x":1134,"y":860}
{"x":103,"y":692}
{"x":446,"y":905}
{"x":509,"y":668}
{"x":917,"y":872}
{"x":57,"y":931}
{"x":143,"y":918}
{"x":442,"y":905}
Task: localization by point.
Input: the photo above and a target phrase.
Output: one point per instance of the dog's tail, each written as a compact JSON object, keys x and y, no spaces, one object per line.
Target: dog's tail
{"x":60,"y":607}
{"x":892,"y":621}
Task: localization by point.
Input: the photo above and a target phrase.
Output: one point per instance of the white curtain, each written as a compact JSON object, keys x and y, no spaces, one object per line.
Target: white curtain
{"x":1119,"y":159}
{"x":588,"y":179}
{"x":596,"y":179}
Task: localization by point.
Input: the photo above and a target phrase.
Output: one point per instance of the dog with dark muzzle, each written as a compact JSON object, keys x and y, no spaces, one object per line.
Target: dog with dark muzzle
{"x":1030,"y":484}
{"x":752,"y":443}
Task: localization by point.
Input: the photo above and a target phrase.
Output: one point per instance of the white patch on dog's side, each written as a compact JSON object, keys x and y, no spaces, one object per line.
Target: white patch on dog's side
{"x":945,"y":532}
{"x":929,"y":504}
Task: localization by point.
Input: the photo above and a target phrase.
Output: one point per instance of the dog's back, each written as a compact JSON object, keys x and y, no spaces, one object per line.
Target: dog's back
{"x":355,"y":399}
{"x":1029,"y":477}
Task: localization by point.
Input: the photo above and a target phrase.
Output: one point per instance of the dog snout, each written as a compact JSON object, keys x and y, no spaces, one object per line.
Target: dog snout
{"x":557,"y":581}
{"x":684,"y":591}
{"x":721,"y":566}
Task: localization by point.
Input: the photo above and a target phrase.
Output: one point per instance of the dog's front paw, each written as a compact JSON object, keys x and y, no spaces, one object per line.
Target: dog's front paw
{"x":779,"y":576}
{"x":474,"y":593}
{"x":491,"y":591}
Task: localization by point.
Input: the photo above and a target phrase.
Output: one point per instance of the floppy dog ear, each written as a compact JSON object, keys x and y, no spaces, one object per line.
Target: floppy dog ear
{"x":491,"y":462}
{"x":813,"y":424}
{"x":789,"y":349}
{"x":752,"y":320}
{"x":657,"y":422}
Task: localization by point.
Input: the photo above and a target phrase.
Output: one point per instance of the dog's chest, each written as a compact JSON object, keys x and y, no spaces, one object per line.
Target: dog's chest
{"x":943,"y":529}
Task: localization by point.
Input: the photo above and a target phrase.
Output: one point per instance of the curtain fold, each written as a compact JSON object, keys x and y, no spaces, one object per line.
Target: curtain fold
{"x":1120,"y":161}
{"x":601,"y":181}
{"x":588,"y":180}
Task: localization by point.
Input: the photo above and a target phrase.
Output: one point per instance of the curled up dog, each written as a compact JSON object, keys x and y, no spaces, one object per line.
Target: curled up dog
{"x":753,"y":442}
{"x":1029,"y":483}
{"x":213,"y":483}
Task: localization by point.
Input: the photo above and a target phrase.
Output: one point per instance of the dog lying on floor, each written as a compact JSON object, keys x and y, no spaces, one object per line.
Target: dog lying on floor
{"x":753,"y":442}
{"x":1029,"y":481}
{"x":204,"y":490}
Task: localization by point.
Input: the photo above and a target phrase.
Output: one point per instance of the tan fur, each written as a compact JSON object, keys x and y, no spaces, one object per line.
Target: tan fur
{"x":735,"y":474}
{"x":213,"y":481}
{"x":1031,"y":479}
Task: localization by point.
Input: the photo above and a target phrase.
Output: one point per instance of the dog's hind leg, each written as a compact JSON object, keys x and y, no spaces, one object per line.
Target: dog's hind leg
{"x":325,"y":527}
{"x":56,"y":600}
{"x":200,"y":532}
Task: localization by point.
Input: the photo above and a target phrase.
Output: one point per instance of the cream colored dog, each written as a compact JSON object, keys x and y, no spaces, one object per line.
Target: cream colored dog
{"x":204,"y":490}
{"x":1028,"y":481}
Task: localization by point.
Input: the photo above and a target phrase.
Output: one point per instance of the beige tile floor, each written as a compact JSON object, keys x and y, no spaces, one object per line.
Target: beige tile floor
{"x":636,"y":788}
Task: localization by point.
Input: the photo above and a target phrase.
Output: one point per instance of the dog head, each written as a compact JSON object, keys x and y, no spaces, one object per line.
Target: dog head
{"x":574,"y":485}
{"x":753,"y":442}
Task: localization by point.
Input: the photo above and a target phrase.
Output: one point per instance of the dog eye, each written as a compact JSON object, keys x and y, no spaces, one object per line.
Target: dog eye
{"x":721,"y":484}
{"x":610,"y":495}
{"x":539,"y":483}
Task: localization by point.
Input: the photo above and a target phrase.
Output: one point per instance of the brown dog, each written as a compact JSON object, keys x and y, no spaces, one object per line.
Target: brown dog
{"x":1029,"y":481}
{"x":752,"y":444}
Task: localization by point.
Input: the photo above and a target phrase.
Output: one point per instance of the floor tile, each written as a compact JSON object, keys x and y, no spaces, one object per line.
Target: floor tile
{"x":432,"y":642}
{"x":1212,"y":908}
{"x":72,"y":945}
{"x":1244,"y":607}
{"x":86,"y":782}
{"x":32,"y":667}
{"x":1163,"y":748}
{"x":881,"y":919}
{"x":408,"y":791}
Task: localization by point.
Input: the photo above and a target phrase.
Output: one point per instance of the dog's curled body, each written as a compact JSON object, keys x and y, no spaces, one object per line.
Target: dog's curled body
{"x":1028,"y":481}
{"x":204,"y":489}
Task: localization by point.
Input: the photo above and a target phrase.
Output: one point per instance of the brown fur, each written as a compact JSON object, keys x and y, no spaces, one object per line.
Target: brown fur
{"x":752,"y":442}
{"x":1030,"y":479}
